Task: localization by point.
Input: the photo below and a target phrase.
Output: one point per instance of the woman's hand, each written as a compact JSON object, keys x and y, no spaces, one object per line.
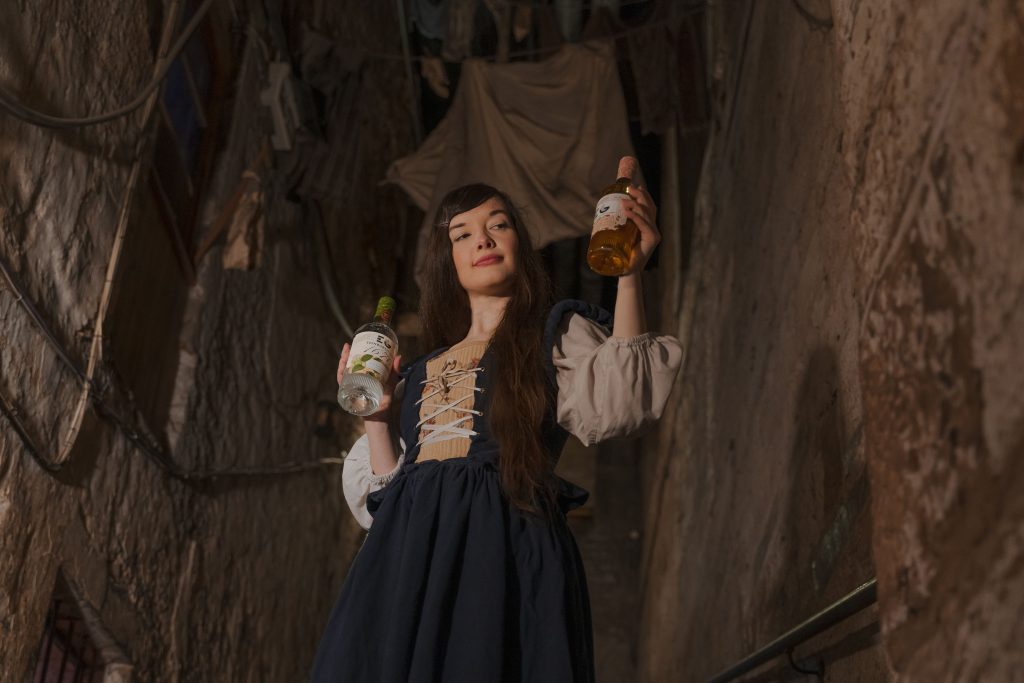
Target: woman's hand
{"x":383,"y":414}
{"x":641,"y":209}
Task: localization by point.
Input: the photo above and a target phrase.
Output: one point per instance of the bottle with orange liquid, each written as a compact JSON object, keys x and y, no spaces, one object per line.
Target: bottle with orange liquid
{"x":614,"y":236}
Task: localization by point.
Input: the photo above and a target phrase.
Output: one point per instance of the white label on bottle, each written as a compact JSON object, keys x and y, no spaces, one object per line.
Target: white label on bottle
{"x":610,"y":213}
{"x":372,"y":354}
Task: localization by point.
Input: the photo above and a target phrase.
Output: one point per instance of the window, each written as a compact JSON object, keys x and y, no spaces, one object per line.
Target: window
{"x":69,"y":651}
{"x":187,"y":131}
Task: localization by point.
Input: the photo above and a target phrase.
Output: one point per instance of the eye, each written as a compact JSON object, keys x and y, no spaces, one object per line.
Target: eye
{"x":459,"y":237}
{"x":499,"y":225}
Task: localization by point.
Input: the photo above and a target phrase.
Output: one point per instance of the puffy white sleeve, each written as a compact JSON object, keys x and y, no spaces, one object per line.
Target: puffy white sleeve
{"x":358,"y":479}
{"x":611,"y":386}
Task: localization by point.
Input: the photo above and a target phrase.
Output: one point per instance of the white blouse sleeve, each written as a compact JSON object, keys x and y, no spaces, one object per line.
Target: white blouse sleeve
{"x":358,"y":480}
{"x":611,"y":386}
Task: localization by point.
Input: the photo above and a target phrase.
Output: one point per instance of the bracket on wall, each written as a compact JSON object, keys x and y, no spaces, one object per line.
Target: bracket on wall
{"x":817,"y":664}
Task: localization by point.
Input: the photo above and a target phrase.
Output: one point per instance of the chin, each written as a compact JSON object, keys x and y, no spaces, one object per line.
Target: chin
{"x":491,"y":286}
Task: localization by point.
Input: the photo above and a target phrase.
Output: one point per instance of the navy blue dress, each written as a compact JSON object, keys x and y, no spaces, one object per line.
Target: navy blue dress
{"x":453,"y":583}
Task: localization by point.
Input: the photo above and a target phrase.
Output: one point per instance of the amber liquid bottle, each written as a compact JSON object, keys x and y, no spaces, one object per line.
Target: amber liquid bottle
{"x":614,"y":236}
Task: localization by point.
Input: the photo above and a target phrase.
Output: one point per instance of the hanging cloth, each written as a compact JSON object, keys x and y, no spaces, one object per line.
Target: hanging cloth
{"x":550,"y":134}
{"x":430,"y":17}
{"x":654,"y":55}
{"x":458,"y":42}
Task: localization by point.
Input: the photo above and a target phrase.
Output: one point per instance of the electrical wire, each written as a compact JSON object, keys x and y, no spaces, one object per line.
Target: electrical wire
{"x":13,"y":415}
{"x":12,"y":106}
{"x":156,"y":455}
{"x":87,"y":391}
{"x":33,"y":312}
{"x":150,"y":449}
{"x":137,"y":435}
{"x":313,"y":224}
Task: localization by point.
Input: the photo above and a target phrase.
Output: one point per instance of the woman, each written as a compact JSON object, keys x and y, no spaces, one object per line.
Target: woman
{"x":469,"y":571}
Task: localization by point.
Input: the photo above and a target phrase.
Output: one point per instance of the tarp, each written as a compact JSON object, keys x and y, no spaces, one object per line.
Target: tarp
{"x":549,"y":134}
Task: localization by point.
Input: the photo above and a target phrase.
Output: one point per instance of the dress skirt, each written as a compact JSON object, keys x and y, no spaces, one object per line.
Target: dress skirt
{"x":455,"y":585}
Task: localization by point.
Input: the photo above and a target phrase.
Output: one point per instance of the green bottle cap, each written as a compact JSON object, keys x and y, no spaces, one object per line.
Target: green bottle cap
{"x":385,"y":308}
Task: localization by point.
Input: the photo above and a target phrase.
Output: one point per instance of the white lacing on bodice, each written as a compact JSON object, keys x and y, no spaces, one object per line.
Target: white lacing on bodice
{"x":439,"y":387}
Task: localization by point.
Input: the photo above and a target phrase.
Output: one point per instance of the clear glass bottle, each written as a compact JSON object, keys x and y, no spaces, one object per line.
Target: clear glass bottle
{"x":369,"y":362}
{"x":614,"y":235}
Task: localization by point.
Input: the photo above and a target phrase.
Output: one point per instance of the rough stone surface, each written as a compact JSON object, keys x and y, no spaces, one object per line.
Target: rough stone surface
{"x":607,"y":533}
{"x":223,"y":580}
{"x":850,"y":402}
{"x":850,"y":299}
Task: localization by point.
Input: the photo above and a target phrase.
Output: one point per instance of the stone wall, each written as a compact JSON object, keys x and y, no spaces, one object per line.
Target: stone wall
{"x":850,"y":404}
{"x":229,"y":578}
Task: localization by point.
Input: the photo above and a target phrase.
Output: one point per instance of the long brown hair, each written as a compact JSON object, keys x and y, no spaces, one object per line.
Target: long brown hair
{"x":519,"y":400}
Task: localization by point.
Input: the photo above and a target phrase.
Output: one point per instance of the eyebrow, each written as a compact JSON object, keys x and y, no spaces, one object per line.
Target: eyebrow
{"x":490,"y":215}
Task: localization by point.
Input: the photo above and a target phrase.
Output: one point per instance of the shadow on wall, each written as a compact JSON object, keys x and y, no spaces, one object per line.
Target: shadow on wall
{"x":114,"y":142}
{"x":825,"y":543}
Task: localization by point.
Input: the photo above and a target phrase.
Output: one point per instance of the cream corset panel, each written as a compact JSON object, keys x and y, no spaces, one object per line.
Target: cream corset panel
{"x":448,"y":403}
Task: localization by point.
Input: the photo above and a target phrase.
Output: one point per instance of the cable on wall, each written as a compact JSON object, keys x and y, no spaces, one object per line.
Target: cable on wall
{"x":90,"y":393}
{"x":96,"y":346}
{"x":14,"y":107}
{"x":137,"y":435}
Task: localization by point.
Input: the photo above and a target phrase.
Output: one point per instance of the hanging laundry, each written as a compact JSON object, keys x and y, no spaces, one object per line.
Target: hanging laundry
{"x":321,"y":60}
{"x":458,"y":43}
{"x":654,"y":58}
{"x":550,"y":134}
{"x":430,"y":17}
{"x":601,"y":24}
{"x":501,"y":12}
{"x":549,"y":34}
{"x":323,"y":160}
{"x":570,"y":18}
{"x":433,"y":72}
{"x":522,"y":22}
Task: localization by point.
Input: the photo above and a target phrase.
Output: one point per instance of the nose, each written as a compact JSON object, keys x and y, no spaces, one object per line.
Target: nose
{"x":484,"y":240}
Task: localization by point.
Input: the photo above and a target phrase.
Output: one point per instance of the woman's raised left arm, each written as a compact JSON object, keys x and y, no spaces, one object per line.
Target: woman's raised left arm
{"x":630,"y":320}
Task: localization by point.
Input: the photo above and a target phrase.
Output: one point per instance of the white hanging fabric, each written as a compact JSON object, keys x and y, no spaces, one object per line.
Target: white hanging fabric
{"x":550,"y":134}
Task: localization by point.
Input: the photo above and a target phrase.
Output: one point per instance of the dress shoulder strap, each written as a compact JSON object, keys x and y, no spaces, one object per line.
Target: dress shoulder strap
{"x":407,"y":369}
{"x":558,"y":312}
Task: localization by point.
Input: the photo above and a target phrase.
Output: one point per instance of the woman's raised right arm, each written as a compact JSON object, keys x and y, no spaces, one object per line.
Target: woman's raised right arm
{"x":372,"y":462}
{"x":383,"y":458}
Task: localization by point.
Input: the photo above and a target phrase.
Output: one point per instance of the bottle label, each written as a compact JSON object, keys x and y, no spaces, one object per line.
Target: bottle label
{"x":610,"y":213}
{"x":371,"y":354}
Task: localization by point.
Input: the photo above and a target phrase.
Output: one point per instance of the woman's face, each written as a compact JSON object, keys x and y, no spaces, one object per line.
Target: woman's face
{"x":484,"y":248}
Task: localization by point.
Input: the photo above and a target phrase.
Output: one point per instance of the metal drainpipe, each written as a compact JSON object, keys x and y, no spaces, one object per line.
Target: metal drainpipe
{"x":414,"y":109}
{"x":313,"y":222}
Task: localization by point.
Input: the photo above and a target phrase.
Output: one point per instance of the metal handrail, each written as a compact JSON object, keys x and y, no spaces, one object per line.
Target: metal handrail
{"x":862,"y":597}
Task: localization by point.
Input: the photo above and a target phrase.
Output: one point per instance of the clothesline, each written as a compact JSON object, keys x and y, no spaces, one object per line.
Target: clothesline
{"x":547,"y":50}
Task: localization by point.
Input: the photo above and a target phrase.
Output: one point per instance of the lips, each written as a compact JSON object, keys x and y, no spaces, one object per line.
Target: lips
{"x":486,"y":261}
